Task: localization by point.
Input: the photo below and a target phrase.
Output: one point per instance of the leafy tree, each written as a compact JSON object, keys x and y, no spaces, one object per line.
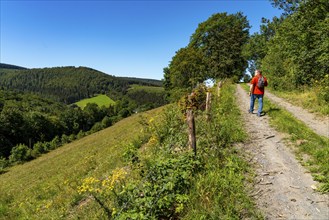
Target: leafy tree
{"x":257,"y":46}
{"x":288,"y":6}
{"x":186,"y":68}
{"x":166,"y":81}
{"x":221,"y":39}
{"x":215,"y":50}
{"x":298,"y":53}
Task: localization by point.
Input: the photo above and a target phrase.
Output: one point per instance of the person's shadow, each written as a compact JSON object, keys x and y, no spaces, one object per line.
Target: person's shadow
{"x":270,"y":110}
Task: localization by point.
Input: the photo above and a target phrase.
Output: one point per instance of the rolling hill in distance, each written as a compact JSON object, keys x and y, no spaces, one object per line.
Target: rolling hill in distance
{"x":41,"y":109}
{"x":67,"y":84}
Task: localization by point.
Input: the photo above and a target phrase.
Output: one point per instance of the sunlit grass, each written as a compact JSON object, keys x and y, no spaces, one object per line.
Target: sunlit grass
{"x":100,"y":100}
{"x":46,"y":188}
{"x":307,"y":99}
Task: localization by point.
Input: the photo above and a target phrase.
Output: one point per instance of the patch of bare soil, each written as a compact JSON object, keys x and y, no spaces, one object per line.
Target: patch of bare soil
{"x":319,"y":125}
{"x":283,"y":188}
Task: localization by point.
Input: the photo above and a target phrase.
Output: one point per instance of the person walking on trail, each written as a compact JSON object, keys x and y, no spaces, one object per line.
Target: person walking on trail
{"x":257,"y":88}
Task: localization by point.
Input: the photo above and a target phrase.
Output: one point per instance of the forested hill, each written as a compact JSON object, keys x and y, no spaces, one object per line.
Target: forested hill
{"x":67,"y":84}
{"x":9,"y":66}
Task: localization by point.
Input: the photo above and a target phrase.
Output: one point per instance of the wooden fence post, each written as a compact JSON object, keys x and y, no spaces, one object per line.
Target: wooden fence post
{"x":208,"y":106}
{"x":191,"y":130}
{"x":219,"y":86}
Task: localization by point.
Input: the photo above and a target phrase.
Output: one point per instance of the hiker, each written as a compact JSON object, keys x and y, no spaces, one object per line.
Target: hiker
{"x":257,"y":87}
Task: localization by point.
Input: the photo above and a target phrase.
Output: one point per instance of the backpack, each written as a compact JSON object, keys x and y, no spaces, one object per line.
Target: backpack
{"x":261,"y":82}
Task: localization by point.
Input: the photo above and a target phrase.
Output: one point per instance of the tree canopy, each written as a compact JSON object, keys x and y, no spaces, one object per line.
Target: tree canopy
{"x":298,"y":54}
{"x":215,"y":51}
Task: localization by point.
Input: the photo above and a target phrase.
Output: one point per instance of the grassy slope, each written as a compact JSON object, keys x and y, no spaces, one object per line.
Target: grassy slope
{"x":46,"y":188}
{"x":100,"y":100}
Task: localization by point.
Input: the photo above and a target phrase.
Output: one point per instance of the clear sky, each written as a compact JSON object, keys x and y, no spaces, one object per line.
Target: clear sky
{"x":122,"y":38}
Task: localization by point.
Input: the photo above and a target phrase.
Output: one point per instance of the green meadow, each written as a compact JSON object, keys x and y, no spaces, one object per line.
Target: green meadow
{"x":100,"y":100}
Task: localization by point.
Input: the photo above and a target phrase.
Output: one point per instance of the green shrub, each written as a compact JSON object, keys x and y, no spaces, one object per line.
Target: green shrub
{"x":106,"y":122}
{"x":322,"y":89}
{"x":65,"y":139}
{"x":97,"y":127}
{"x":4,"y":163}
{"x":20,"y":153}
{"x":81,"y":134}
{"x":55,"y":143}
{"x":39,"y":148}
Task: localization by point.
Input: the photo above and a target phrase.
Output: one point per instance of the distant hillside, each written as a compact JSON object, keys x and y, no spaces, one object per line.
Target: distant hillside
{"x":152,"y":82}
{"x":67,"y":84}
{"x":9,"y":66}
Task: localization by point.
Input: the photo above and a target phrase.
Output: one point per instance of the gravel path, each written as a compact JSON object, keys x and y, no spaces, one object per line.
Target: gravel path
{"x":283,"y":188}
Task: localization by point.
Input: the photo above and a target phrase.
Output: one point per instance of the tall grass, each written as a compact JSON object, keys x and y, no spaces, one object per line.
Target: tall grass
{"x":220,"y":191}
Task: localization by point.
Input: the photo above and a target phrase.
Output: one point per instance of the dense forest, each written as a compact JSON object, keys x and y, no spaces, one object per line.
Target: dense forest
{"x":68,"y":84}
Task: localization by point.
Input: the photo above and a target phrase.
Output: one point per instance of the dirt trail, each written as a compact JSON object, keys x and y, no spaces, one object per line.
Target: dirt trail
{"x":283,"y":187}
{"x":320,"y":126}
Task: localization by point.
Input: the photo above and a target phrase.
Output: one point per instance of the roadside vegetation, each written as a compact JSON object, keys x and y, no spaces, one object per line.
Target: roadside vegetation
{"x":164,"y":179}
{"x":304,"y":142}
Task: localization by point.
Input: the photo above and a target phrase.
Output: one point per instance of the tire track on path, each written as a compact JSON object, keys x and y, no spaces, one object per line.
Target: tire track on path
{"x":282,"y":188}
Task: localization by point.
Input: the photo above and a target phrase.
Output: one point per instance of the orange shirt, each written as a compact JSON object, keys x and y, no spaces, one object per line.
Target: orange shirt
{"x":257,"y":90}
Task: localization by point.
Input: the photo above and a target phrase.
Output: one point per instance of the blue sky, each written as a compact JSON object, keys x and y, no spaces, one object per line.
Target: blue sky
{"x":121,"y":38}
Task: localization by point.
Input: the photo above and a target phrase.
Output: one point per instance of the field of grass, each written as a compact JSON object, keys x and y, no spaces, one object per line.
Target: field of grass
{"x":150,"y":89}
{"x":46,"y":188}
{"x":100,"y":100}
